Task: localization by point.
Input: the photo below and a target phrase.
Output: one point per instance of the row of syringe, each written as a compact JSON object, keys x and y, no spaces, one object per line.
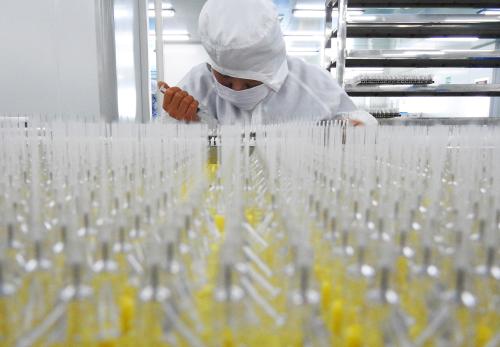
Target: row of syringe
{"x":139,"y":239}
{"x":392,"y":79}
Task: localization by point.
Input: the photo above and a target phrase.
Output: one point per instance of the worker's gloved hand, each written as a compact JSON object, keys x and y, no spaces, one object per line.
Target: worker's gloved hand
{"x":360,"y":118}
{"x":178,"y":103}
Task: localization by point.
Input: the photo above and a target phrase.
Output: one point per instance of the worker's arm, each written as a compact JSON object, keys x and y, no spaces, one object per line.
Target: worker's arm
{"x":178,"y":103}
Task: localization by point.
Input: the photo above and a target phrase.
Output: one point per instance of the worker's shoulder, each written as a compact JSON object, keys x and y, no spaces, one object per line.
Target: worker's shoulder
{"x":198,"y":77}
{"x":311,"y":75}
{"x":199,"y":71}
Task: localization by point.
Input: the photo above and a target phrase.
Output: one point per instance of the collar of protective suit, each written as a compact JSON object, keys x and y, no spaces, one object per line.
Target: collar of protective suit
{"x":243,"y":39}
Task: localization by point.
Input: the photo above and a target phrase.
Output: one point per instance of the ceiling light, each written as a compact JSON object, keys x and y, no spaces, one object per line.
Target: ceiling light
{"x":164,"y":6}
{"x":308,"y":6}
{"x":320,"y":13}
{"x":165,"y":12}
{"x":174,"y":35}
{"x":355,"y":12}
{"x":308,"y":13}
{"x":350,"y":12}
{"x":490,"y":11}
{"x":454,"y":39}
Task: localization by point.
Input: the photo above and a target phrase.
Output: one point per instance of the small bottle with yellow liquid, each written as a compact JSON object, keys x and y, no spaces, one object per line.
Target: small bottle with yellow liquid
{"x":9,"y":304}
{"x":151,"y":325}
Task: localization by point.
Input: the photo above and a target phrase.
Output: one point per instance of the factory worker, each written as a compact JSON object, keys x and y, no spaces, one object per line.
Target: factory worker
{"x":249,"y":78}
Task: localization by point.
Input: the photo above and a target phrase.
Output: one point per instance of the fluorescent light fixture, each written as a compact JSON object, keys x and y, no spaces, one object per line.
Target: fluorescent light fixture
{"x":173,"y":35}
{"x":164,"y":6}
{"x":307,"y":6}
{"x":355,"y":12}
{"x":320,"y":13}
{"x":308,"y":13}
{"x":453,"y":39}
{"x":350,"y":12}
{"x":490,"y":11}
{"x":165,"y":12}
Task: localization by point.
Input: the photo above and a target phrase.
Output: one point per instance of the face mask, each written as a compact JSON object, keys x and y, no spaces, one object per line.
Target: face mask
{"x":245,"y":100}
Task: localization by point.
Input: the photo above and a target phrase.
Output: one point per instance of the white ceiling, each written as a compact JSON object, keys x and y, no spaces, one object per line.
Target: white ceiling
{"x":187,"y":11}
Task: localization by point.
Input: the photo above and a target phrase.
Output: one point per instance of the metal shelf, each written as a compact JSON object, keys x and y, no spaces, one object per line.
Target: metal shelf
{"x":429,"y":121}
{"x":413,"y":26}
{"x":422,"y":58}
{"x":422,"y":3}
{"x":431,"y":90}
{"x":483,"y":30}
{"x":462,"y":19}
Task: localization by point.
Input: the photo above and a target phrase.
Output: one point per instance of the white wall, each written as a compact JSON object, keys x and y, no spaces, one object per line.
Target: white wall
{"x":48,"y":57}
{"x":451,"y":106}
{"x":180,"y":58}
{"x":447,"y":106}
{"x":437,"y":106}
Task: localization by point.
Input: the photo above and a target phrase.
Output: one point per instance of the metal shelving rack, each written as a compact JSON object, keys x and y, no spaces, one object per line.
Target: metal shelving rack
{"x":425,"y":3}
{"x":413,"y":26}
{"x":422,"y":58}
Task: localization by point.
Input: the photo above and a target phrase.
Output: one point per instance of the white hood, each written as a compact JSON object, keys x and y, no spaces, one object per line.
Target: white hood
{"x":243,"y":39}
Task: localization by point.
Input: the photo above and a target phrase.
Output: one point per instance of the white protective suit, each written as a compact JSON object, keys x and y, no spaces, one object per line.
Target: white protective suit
{"x":243,"y":39}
